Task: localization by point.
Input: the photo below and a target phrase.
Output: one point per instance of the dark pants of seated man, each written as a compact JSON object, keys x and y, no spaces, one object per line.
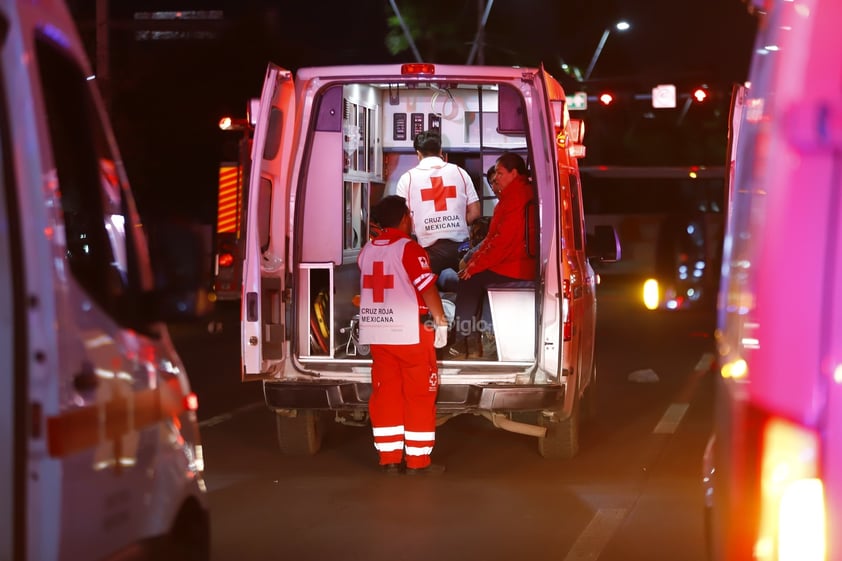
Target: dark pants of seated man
{"x":470,"y":294}
{"x":444,"y":254}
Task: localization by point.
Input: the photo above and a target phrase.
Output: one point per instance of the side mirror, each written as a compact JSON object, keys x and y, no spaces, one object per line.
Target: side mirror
{"x":181,"y":261}
{"x":604,"y":244}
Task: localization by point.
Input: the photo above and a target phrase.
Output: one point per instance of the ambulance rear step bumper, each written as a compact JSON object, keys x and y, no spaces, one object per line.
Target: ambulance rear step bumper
{"x":337,"y":395}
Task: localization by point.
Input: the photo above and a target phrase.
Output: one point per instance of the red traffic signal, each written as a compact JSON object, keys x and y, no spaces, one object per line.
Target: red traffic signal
{"x":606,"y":98}
{"x":700,"y":94}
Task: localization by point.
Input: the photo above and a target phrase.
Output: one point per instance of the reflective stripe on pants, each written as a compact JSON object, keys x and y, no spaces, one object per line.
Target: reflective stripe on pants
{"x":404,"y":384}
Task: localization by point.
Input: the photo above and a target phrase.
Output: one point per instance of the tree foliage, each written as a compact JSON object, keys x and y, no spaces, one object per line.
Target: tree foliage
{"x":442,"y":30}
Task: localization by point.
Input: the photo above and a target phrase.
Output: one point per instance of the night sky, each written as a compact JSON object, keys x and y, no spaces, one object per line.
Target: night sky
{"x":166,"y":97}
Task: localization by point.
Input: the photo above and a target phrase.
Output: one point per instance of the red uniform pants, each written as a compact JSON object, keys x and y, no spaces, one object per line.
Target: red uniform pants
{"x":402,"y":406}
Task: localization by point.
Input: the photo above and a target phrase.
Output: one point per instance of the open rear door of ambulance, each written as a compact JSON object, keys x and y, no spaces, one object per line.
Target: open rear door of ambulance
{"x":263,"y":346}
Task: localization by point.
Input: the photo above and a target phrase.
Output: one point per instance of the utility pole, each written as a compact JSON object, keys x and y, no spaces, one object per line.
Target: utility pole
{"x":406,"y":32}
{"x":479,"y":39}
{"x":480,"y":33}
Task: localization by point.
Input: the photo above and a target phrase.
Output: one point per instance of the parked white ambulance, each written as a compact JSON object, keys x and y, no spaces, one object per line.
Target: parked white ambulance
{"x":100,"y":456}
{"x":773,"y":469}
{"x":330,"y":144}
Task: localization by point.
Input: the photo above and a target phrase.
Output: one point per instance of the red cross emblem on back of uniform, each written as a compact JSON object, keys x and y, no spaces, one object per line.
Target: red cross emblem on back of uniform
{"x":378,"y":282}
{"x":438,"y":193}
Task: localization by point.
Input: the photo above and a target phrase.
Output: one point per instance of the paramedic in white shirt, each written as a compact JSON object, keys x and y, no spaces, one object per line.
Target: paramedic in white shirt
{"x":442,"y":199}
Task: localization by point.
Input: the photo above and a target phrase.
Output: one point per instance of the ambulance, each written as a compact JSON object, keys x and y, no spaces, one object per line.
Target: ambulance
{"x":328,"y":143}
{"x":100,"y":453}
{"x":772,"y":471}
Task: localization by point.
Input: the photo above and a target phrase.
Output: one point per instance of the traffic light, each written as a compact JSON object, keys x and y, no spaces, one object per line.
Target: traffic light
{"x":606,"y":98}
{"x":700,"y":94}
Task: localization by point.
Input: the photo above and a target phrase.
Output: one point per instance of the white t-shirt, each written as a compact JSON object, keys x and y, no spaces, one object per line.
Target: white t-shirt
{"x":438,"y":194}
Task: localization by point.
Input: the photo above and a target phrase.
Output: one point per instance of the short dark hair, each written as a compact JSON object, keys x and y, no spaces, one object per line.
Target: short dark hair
{"x":512,"y":161}
{"x":428,"y":142}
{"x":490,"y":173}
{"x":479,"y":229}
{"x":389,"y":211}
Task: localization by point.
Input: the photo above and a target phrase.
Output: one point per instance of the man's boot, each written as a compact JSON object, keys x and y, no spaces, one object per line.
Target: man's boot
{"x":474,"y":346}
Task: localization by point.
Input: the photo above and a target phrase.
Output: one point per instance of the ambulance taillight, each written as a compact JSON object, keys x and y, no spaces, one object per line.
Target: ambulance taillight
{"x":567,"y":326}
{"x":191,"y":402}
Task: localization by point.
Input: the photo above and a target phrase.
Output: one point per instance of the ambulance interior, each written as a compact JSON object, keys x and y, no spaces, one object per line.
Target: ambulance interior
{"x":357,"y":159}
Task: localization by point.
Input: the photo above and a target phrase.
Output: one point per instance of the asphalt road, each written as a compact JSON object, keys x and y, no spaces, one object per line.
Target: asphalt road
{"x":633,"y":493}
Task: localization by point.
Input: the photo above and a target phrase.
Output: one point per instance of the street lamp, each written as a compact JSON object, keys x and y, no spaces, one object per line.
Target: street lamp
{"x":619,"y":26}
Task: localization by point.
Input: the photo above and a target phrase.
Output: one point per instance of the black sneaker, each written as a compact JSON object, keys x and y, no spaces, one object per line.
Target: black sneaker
{"x":391,"y":469}
{"x":457,"y":350}
{"x":432,"y":469}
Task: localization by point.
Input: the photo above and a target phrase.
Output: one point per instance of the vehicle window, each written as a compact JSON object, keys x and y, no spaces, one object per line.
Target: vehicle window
{"x":652,"y":195}
{"x":92,"y":197}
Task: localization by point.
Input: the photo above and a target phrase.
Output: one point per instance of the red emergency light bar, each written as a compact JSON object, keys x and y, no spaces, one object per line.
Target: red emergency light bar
{"x":418,"y":68}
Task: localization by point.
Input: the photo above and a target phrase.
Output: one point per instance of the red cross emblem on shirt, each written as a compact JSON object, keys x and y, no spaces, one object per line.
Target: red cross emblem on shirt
{"x":378,"y":282}
{"x":438,"y":193}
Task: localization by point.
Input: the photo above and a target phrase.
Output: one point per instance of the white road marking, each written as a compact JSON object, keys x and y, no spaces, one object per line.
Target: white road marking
{"x":219,"y":419}
{"x":590,"y":543}
{"x":705,"y":362}
{"x":672,"y":417}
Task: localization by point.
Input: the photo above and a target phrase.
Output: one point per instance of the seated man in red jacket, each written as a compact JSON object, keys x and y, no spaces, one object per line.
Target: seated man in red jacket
{"x":502,"y":256}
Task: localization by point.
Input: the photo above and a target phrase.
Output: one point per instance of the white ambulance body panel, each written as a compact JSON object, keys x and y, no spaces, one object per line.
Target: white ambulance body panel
{"x":773,"y":469}
{"x":101,"y":456}
{"x":323,"y":157}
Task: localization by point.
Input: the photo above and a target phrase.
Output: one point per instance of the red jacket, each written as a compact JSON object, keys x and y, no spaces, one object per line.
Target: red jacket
{"x":504,"y":249}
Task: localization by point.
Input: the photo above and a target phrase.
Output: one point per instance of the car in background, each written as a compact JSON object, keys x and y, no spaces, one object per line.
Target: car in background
{"x":670,"y":221}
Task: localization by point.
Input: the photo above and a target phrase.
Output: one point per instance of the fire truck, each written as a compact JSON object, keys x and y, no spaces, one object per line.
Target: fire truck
{"x":228,"y":258}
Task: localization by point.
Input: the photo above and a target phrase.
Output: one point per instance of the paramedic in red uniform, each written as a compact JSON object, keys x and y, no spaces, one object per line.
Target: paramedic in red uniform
{"x":401,"y":317}
{"x":502,"y":257}
{"x":442,"y":199}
